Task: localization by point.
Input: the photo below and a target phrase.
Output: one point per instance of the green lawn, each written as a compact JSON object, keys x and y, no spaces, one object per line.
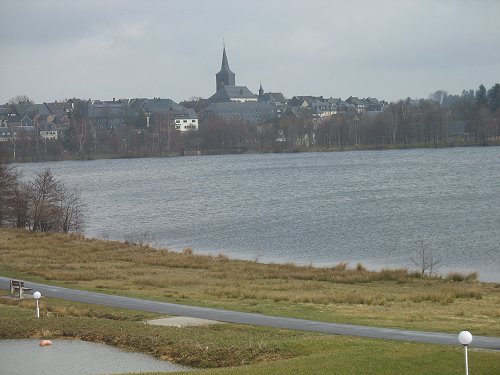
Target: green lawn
{"x":238,"y":349}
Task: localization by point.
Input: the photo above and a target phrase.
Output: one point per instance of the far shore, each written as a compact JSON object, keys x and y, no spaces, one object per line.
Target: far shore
{"x":384,"y":147}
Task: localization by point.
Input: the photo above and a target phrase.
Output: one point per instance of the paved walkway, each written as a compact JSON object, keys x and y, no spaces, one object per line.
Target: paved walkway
{"x":482,"y":342}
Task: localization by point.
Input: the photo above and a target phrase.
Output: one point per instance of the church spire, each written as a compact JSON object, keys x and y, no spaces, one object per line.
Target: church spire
{"x":225,"y":64}
{"x":225,"y":77}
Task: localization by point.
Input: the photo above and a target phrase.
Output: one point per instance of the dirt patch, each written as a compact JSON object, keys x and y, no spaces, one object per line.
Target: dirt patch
{"x":181,"y":321}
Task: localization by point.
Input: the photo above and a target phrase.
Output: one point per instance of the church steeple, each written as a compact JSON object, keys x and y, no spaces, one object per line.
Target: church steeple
{"x":225,"y":64}
{"x":225,"y":77}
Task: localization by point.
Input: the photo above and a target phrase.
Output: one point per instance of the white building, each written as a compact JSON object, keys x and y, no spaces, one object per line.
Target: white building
{"x":186,"y":124}
{"x":48,"y":134}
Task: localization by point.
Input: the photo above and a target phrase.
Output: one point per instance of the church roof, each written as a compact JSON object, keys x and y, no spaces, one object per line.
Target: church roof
{"x":241,"y":107}
{"x":228,"y":93}
{"x":253,"y":112}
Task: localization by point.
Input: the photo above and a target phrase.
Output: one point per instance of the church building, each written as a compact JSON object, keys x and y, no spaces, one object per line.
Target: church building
{"x":236,"y":103}
{"x":226,"y":89}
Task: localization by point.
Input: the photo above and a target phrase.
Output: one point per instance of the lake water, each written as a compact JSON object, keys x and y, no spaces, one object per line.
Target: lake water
{"x":21,"y":357}
{"x":370,"y":206}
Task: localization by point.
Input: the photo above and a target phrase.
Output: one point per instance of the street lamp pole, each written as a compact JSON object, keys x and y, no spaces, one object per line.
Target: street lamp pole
{"x":37,"y":296}
{"x":465,"y":338}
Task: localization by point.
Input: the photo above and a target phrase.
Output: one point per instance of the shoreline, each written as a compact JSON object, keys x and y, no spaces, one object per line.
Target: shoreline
{"x":270,"y":151}
{"x":490,"y":277}
{"x":369,"y":265}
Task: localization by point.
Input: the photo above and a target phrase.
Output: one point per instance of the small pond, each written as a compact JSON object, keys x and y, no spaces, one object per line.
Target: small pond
{"x":74,"y":357}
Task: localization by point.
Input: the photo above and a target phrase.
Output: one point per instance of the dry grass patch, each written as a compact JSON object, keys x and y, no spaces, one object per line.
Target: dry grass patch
{"x":405,"y":298}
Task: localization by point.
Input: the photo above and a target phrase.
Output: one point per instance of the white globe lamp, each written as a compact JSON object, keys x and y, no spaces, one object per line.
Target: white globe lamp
{"x":37,"y":296}
{"x":465,"y":338}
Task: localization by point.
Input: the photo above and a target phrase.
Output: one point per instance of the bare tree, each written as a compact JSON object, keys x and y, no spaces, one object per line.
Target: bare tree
{"x":439,"y":96}
{"x":13,"y":198}
{"x":8,"y":185}
{"x":21,"y":214}
{"x":42,"y":205}
{"x":82,"y":137}
{"x":52,"y":207}
{"x":424,"y":259}
{"x":45,"y":194}
{"x":71,"y":211}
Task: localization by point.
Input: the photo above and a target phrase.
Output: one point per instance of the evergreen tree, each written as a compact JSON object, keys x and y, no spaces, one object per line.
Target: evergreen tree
{"x":481,"y":97}
{"x":494,"y":97}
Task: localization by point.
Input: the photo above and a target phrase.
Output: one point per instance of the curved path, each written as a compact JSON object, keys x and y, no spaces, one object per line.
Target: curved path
{"x":482,"y":342}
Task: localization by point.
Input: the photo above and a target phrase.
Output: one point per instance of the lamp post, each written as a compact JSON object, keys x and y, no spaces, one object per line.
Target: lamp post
{"x":465,"y":338}
{"x":37,"y":296}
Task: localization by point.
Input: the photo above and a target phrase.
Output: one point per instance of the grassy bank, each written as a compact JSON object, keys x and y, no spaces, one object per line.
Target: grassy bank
{"x":390,"y":298}
{"x":236,"y":349}
{"x":204,"y":347}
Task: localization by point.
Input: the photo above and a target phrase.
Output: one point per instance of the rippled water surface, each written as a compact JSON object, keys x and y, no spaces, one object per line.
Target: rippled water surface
{"x":21,"y":357}
{"x":370,"y":206}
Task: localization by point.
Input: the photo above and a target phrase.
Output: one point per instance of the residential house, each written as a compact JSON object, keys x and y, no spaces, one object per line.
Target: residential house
{"x":303,"y":101}
{"x":6,"y":134}
{"x":107,"y":114}
{"x":276,"y":99}
{"x":374,"y":105}
{"x":26,"y":121}
{"x":12,"y":120}
{"x":324,"y":109}
{"x":360,"y":104}
{"x":181,"y":118}
{"x":5,"y":112}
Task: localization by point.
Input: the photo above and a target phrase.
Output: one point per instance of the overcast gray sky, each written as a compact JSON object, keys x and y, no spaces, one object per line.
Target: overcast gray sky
{"x":389,"y":49}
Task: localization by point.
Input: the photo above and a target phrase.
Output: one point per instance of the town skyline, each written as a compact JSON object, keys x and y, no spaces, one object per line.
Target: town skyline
{"x":385,"y":50}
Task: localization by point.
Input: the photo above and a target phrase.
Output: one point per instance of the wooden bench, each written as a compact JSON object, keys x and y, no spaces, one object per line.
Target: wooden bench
{"x":17,"y":288}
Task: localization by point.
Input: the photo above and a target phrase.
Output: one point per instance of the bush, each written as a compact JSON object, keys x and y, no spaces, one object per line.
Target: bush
{"x":360,"y":267}
{"x":460,"y":277}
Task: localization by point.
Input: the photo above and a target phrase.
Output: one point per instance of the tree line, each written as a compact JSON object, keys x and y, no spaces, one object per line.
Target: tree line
{"x":469,"y":118}
{"x":43,"y":204}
